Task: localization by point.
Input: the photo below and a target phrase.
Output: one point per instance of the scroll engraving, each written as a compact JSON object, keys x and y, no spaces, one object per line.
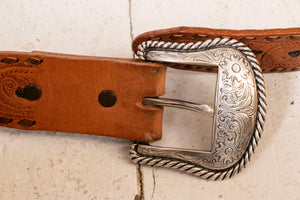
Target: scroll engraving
{"x":236,"y":127}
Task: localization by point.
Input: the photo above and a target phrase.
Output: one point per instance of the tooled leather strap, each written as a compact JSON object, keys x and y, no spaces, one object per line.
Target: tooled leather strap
{"x":277,"y":50}
{"x":46,"y":91}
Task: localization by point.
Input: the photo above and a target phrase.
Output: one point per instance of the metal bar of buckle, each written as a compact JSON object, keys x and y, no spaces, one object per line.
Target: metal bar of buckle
{"x":177,"y":104}
{"x":239,"y":111}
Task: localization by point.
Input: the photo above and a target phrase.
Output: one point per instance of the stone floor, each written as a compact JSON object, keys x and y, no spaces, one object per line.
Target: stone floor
{"x":49,"y":165}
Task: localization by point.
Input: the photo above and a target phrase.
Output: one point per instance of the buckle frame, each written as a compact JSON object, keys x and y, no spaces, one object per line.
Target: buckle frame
{"x":239,"y":113}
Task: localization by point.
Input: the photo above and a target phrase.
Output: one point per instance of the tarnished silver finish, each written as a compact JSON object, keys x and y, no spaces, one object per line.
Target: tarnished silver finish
{"x":177,"y":104}
{"x":239,"y":113}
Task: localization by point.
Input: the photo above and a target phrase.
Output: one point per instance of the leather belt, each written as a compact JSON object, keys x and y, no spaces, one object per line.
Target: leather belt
{"x":120,"y":97}
{"x":277,"y":50}
{"x":46,"y":91}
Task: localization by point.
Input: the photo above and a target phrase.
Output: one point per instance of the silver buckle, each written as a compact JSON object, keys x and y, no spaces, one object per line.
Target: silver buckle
{"x":239,"y":111}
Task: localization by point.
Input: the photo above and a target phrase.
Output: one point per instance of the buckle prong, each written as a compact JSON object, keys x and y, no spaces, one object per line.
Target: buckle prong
{"x":150,"y":101}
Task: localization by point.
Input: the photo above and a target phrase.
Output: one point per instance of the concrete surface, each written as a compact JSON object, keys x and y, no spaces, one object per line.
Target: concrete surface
{"x":48,"y":165}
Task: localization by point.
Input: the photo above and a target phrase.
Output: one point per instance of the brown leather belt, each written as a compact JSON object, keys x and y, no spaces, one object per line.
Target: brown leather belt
{"x":104,"y":96}
{"x":277,"y":50}
{"x":70,"y":87}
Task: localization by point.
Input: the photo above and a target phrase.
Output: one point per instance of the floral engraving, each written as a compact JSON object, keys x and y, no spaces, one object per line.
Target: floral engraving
{"x":235,"y":107}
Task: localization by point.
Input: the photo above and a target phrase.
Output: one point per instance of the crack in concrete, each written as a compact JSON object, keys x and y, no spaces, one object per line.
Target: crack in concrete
{"x":130,"y":23}
{"x":139,"y":176}
{"x":154,"y":182}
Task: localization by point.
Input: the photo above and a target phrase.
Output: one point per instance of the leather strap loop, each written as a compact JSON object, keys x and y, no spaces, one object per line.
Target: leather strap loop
{"x":277,"y":50}
{"x":56,"y":92}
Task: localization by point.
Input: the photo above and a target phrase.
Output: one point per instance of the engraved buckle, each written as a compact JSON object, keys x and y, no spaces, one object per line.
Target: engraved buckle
{"x":239,"y":111}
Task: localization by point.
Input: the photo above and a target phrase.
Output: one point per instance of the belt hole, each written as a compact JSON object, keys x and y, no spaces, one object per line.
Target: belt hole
{"x":9,"y":60}
{"x":33,"y":61}
{"x":107,"y":98}
{"x":26,"y":123}
{"x":5,"y":120}
{"x":272,"y":38}
{"x":30,"y":92}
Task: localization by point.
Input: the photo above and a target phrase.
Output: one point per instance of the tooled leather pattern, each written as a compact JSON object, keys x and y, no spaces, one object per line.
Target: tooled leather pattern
{"x":282,"y":61}
{"x":13,"y":77}
{"x":70,"y":86}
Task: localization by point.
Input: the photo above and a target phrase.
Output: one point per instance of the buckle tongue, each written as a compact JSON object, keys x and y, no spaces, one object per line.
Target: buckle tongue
{"x":177,"y":104}
{"x":239,"y":111}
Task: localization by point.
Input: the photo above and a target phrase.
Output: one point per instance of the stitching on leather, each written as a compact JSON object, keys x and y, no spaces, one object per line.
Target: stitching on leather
{"x":5,"y":120}
{"x":26,"y":123}
{"x":271,"y":38}
{"x":294,"y":37}
{"x":29,"y":61}
{"x":177,"y":36}
{"x":199,"y":36}
{"x":294,"y":54}
{"x":9,"y":60}
{"x":279,"y":69}
{"x":33,"y":61}
{"x":248,"y":38}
